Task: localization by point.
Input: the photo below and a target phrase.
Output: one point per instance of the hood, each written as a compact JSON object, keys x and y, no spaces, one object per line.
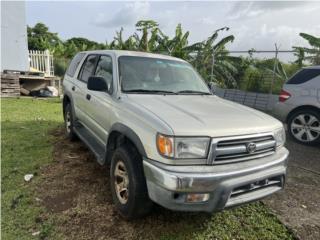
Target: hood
{"x":205,"y":115}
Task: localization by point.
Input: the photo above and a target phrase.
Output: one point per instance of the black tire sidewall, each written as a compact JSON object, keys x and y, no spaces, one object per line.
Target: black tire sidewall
{"x":71,"y":135}
{"x":294,"y":115}
{"x":138,"y":200}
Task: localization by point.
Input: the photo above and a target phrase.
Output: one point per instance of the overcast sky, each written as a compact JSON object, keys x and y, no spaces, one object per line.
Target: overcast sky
{"x":255,"y":25}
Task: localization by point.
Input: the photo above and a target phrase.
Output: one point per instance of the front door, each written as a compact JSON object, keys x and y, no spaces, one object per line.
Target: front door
{"x":99,"y":105}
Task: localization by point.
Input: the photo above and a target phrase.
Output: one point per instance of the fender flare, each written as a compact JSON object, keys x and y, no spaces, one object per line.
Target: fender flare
{"x":130,"y":134}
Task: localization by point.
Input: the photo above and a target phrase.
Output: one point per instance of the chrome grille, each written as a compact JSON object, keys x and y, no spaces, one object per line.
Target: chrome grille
{"x":234,"y":149}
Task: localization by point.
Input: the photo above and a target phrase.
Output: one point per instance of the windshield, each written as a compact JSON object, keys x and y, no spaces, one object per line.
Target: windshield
{"x":152,"y":75}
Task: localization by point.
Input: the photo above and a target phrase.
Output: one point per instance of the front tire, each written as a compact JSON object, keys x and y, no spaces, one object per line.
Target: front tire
{"x":128,"y":184}
{"x":304,"y":126}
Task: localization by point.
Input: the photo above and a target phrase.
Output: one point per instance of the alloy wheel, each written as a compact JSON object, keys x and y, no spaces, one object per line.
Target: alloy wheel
{"x":305,"y":127}
{"x":121,"y":182}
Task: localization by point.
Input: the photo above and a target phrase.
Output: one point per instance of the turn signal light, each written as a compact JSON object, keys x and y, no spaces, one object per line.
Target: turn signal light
{"x":165,"y":145}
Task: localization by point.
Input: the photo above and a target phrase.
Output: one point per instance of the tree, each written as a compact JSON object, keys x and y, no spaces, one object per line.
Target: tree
{"x":39,"y":37}
{"x":311,"y":54}
{"x":214,"y":62}
{"x":145,"y":26}
{"x":177,"y":46}
{"x":84,"y":44}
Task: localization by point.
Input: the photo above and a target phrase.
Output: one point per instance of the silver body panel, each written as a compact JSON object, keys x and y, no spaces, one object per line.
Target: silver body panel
{"x":181,"y":115}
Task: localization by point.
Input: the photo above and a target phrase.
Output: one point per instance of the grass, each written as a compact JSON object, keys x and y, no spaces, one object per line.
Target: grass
{"x":27,"y":146}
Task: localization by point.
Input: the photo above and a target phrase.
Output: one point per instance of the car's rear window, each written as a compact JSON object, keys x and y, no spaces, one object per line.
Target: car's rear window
{"x":74,"y":64}
{"x":304,"y":76}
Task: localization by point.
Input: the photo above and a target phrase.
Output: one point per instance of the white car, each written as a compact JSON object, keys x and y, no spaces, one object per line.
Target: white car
{"x":299,"y":105}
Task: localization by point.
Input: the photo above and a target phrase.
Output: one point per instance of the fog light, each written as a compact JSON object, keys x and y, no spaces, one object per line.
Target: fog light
{"x":197,"y":197}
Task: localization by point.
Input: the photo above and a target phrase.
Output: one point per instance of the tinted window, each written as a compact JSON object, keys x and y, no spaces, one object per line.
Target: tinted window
{"x":303,"y":76}
{"x":104,"y":69}
{"x":88,"y":68}
{"x":74,"y":64}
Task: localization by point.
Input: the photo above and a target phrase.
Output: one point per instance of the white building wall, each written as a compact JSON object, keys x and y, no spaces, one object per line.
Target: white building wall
{"x":14,"y":44}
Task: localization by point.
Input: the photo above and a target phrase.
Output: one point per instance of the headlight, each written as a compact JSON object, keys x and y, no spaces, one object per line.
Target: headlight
{"x":280,"y":136}
{"x":183,"y":147}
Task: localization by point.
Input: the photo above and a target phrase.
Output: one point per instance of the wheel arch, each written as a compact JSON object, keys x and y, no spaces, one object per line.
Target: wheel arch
{"x":303,"y":107}
{"x":119,"y":134}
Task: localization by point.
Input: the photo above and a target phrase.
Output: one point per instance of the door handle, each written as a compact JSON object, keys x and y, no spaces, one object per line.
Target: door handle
{"x":88,"y":97}
{"x":73,"y":88}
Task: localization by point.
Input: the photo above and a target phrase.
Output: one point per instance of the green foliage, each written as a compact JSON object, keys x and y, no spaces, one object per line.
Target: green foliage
{"x":26,"y":147}
{"x":258,"y":75}
{"x":210,"y":57}
{"x":311,"y":54}
{"x":39,"y":37}
{"x":148,"y":38}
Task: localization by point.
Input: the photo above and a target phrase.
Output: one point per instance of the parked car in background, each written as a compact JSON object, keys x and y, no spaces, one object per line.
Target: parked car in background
{"x":299,"y":105}
{"x":168,"y":139}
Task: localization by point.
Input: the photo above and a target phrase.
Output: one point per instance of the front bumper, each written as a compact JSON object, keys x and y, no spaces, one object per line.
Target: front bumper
{"x":227,"y":185}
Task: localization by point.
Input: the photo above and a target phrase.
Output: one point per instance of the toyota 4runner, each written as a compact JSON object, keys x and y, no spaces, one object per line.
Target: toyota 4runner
{"x":168,"y":138}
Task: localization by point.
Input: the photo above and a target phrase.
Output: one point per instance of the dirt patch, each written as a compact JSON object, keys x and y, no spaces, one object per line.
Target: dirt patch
{"x":298,"y":206}
{"x":60,"y":202}
{"x":76,"y":189}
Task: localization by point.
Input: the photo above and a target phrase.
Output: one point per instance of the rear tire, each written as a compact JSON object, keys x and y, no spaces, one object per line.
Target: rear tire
{"x":128,"y":184}
{"x":304,"y":126}
{"x":69,"y":122}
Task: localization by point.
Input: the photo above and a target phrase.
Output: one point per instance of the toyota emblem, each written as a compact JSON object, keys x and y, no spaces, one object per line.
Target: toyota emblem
{"x":251,"y":147}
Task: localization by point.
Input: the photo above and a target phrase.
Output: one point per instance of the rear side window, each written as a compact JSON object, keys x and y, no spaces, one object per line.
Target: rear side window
{"x":304,"y":76}
{"x":74,"y":64}
{"x":88,"y":68}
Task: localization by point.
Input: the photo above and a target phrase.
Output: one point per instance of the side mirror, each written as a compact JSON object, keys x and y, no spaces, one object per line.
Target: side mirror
{"x":97,"y":84}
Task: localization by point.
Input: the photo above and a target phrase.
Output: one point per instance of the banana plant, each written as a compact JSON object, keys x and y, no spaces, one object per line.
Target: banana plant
{"x":213,"y":60}
{"x":311,"y":54}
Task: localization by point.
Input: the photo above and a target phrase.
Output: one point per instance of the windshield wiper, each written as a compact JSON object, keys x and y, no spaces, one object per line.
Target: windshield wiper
{"x":148,"y":91}
{"x":193,"y":92}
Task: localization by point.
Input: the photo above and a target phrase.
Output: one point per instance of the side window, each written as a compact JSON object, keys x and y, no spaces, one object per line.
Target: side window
{"x":74,"y":64}
{"x":304,"y":76}
{"x":104,"y":69}
{"x":88,"y":68}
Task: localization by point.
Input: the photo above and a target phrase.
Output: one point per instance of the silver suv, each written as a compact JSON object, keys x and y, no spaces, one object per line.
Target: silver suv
{"x":299,"y":105}
{"x":169,"y":140}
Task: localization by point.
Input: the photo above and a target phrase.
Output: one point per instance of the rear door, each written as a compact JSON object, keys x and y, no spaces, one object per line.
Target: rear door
{"x":87,"y":70}
{"x":70,"y":79}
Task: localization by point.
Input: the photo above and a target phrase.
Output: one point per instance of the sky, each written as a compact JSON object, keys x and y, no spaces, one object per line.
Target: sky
{"x":257,"y":25}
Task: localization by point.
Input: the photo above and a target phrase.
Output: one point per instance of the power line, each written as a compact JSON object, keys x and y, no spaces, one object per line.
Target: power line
{"x":263,"y":51}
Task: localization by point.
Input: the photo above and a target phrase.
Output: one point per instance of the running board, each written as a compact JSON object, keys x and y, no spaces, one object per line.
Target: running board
{"x":91,"y":142}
